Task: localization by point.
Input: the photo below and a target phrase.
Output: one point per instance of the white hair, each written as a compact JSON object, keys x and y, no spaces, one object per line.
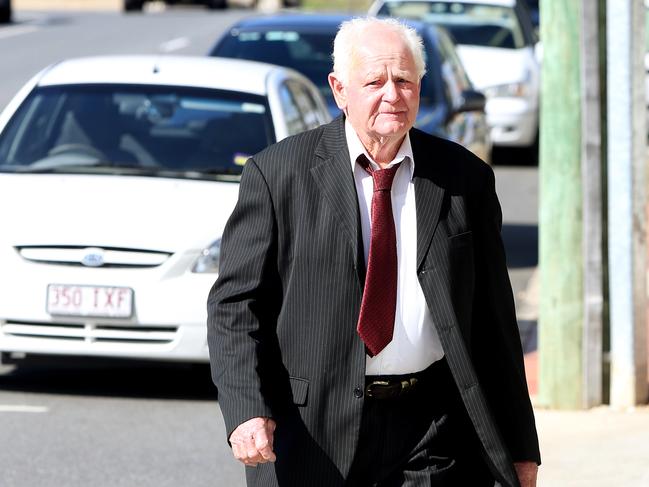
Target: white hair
{"x":350,"y":35}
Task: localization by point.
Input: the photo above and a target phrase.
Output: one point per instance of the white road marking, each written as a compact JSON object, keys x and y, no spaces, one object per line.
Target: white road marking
{"x":21,"y":408}
{"x":17,"y":30}
{"x":174,"y":44}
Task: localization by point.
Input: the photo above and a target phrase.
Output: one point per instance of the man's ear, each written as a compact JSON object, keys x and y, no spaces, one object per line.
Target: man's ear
{"x":338,"y":89}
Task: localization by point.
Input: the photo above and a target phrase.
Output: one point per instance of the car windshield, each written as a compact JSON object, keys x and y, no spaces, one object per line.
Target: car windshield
{"x":308,"y":53}
{"x":469,"y":23}
{"x":128,"y":129}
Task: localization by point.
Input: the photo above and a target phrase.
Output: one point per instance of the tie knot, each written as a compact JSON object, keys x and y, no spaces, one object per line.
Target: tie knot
{"x":382,"y":177}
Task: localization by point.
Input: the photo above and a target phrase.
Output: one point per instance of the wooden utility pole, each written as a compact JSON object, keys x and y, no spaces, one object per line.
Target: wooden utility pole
{"x":561,"y":210}
{"x":570,"y":222}
{"x":627,"y":160}
{"x":592,"y":174}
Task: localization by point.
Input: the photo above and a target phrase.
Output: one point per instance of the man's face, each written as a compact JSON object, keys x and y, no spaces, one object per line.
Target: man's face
{"x":381,"y":97}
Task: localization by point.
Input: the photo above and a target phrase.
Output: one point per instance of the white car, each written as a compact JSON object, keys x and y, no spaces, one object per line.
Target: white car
{"x":117,"y":175}
{"x":497,"y":45}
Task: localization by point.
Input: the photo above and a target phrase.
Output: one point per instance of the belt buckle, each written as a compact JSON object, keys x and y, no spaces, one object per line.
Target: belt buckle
{"x":408,"y":384}
{"x":377,"y":383}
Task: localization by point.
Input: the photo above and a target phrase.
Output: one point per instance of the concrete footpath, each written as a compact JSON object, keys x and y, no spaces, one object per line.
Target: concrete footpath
{"x":596,"y":448}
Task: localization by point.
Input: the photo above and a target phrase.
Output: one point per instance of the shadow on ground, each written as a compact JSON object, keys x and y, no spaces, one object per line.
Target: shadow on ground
{"x":108,"y":378}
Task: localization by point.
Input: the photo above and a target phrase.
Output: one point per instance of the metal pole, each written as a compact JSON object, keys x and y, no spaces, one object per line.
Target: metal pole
{"x":626,"y":200}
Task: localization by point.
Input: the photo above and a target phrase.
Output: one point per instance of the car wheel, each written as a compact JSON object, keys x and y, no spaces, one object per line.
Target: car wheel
{"x":5,"y":14}
{"x":217,"y":4}
{"x":133,"y":5}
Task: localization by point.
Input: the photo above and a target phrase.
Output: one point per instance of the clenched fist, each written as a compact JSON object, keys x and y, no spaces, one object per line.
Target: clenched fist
{"x":252,"y":441}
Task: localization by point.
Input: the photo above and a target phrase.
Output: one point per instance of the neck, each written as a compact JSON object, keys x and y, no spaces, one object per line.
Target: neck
{"x":383,"y":150}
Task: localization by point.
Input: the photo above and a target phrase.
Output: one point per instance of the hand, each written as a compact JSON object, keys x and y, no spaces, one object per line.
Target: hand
{"x":252,"y":441}
{"x":526,"y":472}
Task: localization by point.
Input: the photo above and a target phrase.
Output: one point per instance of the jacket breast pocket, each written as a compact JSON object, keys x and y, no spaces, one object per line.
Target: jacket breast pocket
{"x":460,"y":240}
{"x":300,"y":390}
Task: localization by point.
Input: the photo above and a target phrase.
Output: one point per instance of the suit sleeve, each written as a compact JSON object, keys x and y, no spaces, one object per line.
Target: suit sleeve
{"x":496,"y":345}
{"x":241,"y":309}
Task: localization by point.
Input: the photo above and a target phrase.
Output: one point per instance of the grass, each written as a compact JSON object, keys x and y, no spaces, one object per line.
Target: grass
{"x":344,"y":6}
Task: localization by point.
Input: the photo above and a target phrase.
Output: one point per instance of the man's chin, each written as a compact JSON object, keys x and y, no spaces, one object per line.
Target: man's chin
{"x":393,"y":129}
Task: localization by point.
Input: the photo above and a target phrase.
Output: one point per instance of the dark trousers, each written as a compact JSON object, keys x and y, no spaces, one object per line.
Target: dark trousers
{"x":419,"y":439}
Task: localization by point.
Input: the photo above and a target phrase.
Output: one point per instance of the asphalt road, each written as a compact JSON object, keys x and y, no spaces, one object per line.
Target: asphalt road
{"x":37,"y":39}
{"x":137,"y":424}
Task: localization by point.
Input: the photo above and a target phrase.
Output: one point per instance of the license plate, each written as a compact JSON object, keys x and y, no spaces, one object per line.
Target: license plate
{"x":101,"y":301}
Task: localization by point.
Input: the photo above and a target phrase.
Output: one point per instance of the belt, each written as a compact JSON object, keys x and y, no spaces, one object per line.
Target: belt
{"x":394,"y":386}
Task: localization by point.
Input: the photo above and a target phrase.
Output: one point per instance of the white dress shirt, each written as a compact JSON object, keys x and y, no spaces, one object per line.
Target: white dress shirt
{"x":415,"y":344}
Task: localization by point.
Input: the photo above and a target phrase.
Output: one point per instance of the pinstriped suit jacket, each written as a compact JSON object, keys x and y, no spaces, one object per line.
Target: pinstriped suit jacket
{"x":282,"y":315}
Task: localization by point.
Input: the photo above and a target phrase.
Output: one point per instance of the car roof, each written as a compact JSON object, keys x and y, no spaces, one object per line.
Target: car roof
{"x":202,"y":72}
{"x":311,"y":21}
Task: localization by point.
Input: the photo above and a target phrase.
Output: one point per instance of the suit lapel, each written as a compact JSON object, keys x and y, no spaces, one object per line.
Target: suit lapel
{"x":428,"y":196}
{"x":334,"y":177}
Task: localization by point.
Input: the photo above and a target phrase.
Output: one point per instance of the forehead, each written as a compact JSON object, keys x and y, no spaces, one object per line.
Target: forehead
{"x":373,"y":58}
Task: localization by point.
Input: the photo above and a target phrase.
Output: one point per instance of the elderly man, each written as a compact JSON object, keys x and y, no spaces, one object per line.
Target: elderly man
{"x":362,"y":329}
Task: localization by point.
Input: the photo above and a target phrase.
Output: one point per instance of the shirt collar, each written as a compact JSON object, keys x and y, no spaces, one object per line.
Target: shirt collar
{"x":356,"y":148}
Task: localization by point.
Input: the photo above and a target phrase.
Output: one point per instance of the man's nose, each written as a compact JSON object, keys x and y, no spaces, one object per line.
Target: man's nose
{"x":391,"y":91}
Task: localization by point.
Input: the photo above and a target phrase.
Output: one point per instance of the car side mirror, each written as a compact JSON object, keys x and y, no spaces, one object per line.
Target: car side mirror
{"x":472,"y":101}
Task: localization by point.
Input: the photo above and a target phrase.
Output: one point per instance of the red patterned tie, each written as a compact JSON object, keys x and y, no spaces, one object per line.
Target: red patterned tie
{"x":376,"y":320}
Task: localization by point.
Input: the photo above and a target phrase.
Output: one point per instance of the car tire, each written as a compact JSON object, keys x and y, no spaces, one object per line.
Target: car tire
{"x":216,"y":4}
{"x":133,"y":5}
{"x":5,"y":14}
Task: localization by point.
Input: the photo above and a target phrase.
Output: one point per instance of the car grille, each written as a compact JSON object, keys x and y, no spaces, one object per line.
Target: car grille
{"x":91,"y":332}
{"x":92,"y":256}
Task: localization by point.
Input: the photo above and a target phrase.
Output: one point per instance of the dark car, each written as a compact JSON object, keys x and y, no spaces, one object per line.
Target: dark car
{"x":5,"y":11}
{"x":535,"y":17}
{"x":449,"y":106}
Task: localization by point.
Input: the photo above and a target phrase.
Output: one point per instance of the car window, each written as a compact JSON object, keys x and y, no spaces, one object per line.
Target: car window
{"x":112,"y":128}
{"x":469,"y":23}
{"x":307,"y":53}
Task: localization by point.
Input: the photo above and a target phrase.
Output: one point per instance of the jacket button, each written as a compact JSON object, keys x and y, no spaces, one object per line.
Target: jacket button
{"x":358,"y":393}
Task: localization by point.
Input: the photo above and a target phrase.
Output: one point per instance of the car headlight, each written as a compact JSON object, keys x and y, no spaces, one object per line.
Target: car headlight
{"x":509,"y":90}
{"x":208,"y":262}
